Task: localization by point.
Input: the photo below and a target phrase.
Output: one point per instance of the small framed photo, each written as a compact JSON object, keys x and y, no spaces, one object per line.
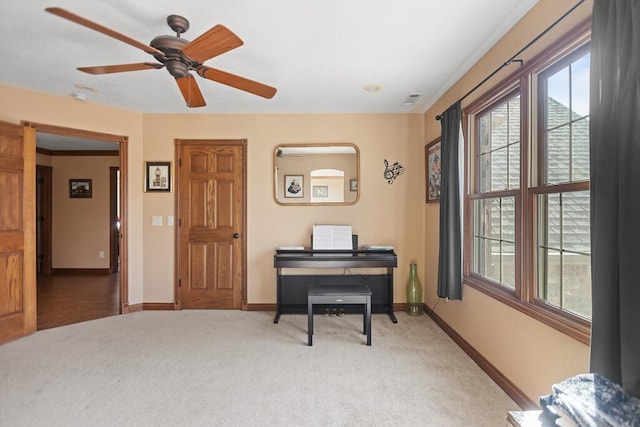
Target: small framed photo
{"x":157,"y":177}
{"x":294,"y":186}
{"x":433,"y":162}
{"x":321,"y":191}
{"x":353,"y":184}
{"x":80,"y":188}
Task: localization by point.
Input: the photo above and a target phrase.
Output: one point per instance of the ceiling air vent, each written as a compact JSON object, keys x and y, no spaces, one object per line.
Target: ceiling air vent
{"x":411,"y":99}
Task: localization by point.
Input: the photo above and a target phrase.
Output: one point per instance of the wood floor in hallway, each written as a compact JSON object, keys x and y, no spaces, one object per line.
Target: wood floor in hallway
{"x":64,"y":299}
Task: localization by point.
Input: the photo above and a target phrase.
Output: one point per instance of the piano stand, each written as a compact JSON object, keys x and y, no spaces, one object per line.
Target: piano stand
{"x":292,"y":289}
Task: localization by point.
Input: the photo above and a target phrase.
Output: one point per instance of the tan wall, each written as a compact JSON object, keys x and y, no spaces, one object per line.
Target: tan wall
{"x":529,"y":353}
{"x":385,"y":214}
{"x":80,"y":226}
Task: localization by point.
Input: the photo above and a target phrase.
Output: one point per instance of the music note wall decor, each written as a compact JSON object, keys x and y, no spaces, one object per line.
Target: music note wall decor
{"x":392,"y":171}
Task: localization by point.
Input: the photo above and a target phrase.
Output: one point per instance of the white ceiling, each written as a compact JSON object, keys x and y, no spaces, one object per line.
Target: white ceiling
{"x":319,"y":54}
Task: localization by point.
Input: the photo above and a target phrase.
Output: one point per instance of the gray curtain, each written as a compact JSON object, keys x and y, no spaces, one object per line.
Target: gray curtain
{"x":450,"y":257}
{"x":615,"y":191}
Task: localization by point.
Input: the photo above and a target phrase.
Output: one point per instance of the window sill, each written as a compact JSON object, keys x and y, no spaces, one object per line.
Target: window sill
{"x":573,"y":326}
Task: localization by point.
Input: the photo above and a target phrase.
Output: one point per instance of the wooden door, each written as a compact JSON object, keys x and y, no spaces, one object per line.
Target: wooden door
{"x":114,"y":219}
{"x":44,"y":176}
{"x":17,"y":232}
{"x":211,"y":224}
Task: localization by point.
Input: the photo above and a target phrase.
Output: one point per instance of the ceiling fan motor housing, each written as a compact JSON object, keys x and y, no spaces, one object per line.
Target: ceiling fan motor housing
{"x":176,"y":68}
{"x":171,"y":46}
{"x":175,"y":61}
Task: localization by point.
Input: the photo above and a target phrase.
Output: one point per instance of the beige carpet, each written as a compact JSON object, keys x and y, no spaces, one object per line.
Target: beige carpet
{"x":232,"y":368}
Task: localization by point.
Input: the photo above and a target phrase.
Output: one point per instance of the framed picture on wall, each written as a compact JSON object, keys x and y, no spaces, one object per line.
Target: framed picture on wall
{"x":321,"y":191}
{"x":293,"y":186}
{"x":157,"y":177}
{"x":80,"y":188}
{"x":433,"y":159}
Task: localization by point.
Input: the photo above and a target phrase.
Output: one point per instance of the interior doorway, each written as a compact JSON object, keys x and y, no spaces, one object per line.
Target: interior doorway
{"x":111,"y":288}
{"x":43,"y":219}
{"x":114,"y":219}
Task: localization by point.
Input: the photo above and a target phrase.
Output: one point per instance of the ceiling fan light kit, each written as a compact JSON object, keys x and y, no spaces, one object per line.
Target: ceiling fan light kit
{"x":179,"y":56}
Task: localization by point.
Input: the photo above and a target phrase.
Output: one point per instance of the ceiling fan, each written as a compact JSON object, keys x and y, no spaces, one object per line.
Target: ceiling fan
{"x":281,"y":154}
{"x":179,"y":56}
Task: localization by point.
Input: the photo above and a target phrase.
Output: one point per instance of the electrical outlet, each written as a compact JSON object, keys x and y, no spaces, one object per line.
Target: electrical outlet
{"x":101,"y":254}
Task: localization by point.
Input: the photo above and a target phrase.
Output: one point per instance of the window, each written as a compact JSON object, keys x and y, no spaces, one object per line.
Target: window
{"x":527,"y":238}
{"x":498,"y":183}
{"x":562,"y":194}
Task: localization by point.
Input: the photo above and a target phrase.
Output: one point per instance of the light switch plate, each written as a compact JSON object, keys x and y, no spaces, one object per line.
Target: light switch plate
{"x":170,"y":220}
{"x":156,"y":221}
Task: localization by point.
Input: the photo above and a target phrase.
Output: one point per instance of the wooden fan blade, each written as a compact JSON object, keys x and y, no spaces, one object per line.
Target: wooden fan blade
{"x":101,"y":29}
{"x":214,"y":42}
{"x":107,"y":69}
{"x":237,"y":82}
{"x":190,"y":91}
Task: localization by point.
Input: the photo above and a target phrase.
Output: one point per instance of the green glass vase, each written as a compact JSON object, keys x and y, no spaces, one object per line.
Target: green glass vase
{"x":414,"y":292}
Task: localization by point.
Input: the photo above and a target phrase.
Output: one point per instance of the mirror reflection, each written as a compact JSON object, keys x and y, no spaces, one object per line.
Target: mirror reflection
{"x":307,"y":174}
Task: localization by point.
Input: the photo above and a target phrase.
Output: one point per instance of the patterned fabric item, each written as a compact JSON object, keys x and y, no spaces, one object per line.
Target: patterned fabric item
{"x":592,"y":400}
{"x":549,"y":414}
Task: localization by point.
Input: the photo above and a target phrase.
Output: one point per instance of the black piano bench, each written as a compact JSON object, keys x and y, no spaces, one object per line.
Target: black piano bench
{"x":339,"y":295}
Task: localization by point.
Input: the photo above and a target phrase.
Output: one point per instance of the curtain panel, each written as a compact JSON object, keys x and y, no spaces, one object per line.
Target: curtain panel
{"x":615,"y":191}
{"x":450,"y":256}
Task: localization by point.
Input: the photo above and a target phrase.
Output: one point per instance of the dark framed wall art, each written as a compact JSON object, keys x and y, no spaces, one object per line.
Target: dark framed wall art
{"x":433,"y":159}
{"x":294,"y":186}
{"x":157,"y":177}
{"x":80,"y":188}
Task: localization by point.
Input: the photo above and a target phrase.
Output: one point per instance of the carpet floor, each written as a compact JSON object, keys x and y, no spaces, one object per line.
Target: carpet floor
{"x":233,"y":368}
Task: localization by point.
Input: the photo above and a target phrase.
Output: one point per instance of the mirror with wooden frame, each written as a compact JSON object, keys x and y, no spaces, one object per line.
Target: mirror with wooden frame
{"x":316,"y":174}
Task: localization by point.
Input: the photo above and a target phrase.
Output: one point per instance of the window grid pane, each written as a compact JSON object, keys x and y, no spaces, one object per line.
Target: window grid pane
{"x":580,"y":150}
{"x":566,"y":119}
{"x":576,"y":279}
{"x":498,"y":151}
{"x":493,"y":240}
{"x":558,"y":151}
{"x":564,"y":260}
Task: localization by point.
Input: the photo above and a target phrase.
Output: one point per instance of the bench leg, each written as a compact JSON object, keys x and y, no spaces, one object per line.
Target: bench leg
{"x":368,"y":320}
{"x":310,"y":321}
{"x":364,"y":319}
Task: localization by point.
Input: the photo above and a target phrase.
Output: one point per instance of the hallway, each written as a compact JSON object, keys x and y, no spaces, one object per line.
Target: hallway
{"x":64,"y":299}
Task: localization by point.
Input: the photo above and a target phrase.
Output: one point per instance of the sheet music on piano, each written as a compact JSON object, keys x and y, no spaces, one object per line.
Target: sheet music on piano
{"x":332,"y":237}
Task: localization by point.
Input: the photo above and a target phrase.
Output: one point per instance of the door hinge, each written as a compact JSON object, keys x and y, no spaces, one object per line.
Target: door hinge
{"x":179,"y":222}
{"x":179,"y":283}
{"x":179,"y":163}
{"x":41,"y":181}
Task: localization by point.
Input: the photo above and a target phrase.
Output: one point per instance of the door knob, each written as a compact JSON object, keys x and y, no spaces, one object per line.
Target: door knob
{"x":236,"y":235}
